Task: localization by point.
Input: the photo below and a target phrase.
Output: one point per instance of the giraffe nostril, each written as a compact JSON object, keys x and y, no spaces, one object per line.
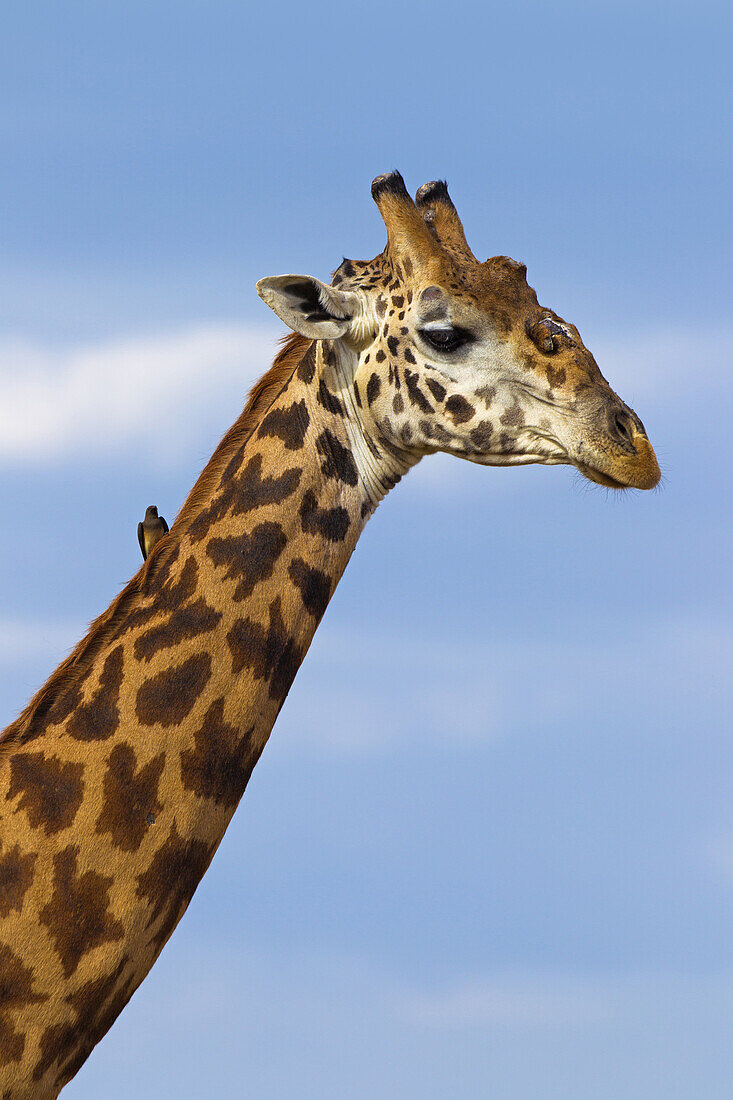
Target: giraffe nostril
{"x":622,"y":426}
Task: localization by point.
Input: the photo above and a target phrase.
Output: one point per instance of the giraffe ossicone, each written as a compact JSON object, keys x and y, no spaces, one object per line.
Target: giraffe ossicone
{"x":119,"y":778}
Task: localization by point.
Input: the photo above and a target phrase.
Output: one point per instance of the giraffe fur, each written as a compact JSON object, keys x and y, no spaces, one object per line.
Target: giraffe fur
{"x":120,"y":777}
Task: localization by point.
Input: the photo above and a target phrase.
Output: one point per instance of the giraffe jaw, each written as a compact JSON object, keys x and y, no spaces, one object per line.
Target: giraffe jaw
{"x":600,"y":478}
{"x":643,"y":473}
{"x":633,"y":468}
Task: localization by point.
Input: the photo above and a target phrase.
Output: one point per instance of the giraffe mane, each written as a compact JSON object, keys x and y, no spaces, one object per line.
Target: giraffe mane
{"x":264,"y":392}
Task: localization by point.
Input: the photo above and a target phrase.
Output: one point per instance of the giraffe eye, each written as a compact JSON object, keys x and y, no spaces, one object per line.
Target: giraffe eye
{"x":445,"y":339}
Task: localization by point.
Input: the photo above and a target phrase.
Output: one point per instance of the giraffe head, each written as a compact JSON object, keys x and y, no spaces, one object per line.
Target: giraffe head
{"x":449,"y":354}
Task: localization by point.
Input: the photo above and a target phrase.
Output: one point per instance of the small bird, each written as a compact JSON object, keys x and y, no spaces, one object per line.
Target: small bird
{"x":150,"y":530}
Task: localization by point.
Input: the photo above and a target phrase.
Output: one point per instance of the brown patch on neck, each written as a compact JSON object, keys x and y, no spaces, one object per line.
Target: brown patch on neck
{"x":262,"y":395}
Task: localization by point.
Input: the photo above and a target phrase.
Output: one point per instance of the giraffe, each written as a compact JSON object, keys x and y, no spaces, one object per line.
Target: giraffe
{"x":119,"y":778}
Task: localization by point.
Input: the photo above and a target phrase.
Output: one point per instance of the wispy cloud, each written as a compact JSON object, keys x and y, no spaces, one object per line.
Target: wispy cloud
{"x":146,"y":391}
{"x":140,"y":391}
{"x":361,"y":690}
{"x":663,"y":363}
{"x":559,"y":1001}
{"x":717,"y":855}
{"x":548,"y":1000}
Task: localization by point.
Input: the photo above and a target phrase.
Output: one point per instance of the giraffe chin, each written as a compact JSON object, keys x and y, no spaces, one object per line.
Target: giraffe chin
{"x":644,"y":475}
{"x":601,"y":479}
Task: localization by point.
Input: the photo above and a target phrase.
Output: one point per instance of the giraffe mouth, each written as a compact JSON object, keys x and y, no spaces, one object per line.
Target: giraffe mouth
{"x":600,"y":478}
{"x":632,"y":467}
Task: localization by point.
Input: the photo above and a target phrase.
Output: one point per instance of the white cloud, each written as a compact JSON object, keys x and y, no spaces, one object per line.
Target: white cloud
{"x":717,"y":855}
{"x":363,"y":690}
{"x":663,"y":363}
{"x":560,"y":1001}
{"x":553,"y":1000}
{"x":140,"y":391}
{"x":320,"y":1025}
{"x":150,"y":391}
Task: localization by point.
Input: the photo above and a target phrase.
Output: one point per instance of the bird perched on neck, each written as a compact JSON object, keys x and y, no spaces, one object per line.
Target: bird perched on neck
{"x":151,"y":530}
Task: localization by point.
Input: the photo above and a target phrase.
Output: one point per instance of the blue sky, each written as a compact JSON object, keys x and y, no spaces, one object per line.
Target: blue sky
{"x":489,"y":848}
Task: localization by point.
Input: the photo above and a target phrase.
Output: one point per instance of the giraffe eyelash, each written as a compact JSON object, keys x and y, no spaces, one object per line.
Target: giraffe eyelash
{"x":446,"y":338}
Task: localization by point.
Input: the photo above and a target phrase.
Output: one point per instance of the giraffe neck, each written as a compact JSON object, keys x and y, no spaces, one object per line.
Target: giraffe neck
{"x":119,"y":791}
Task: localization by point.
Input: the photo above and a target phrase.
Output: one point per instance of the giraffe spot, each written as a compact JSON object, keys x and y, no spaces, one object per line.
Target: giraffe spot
{"x":374,"y":385}
{"x":58,"y":708}
{"x":98,"y":719}
{"x":459,"y":409}
{"x":329,"y":402}
{"x":201,"y":525}
{"x":221,"y":762}
{"x":244,"y":493}
{"x":393,"y":344}
{"x":338,"y":461}
{"x":487,"y":394}
{"x":288,"y":425}
{"x":269,"y":653}
{"x":417,"y":397}
{"x":16,"y":875}
{"x":175,"y":592}
{"x":307,"y":365}
{"x":398,"y":301}
{"x":97,"y":1005}
{"x":12,"y":1041}
{"x":50,"y":790}
{"x":381,"y":355}
{"x":398,"y":403}
{"x":435,"y":431}
{"x":232,"y":466}
{"x":171,"y":880}
{"x":16,"y":992}
{"x":555,"y":375}
{"x":329,"y":523}
{"x":55,"y":705}
{"x":77,"y":916}
{"x":481,"y":435}
{"x":187,"y":622}
{"x":252,"y":491}
{"x":409,"y":357}
{"x":314,"y":587}
{"x":357,"y":395}
{"x":435,"y":388}
{"x":248,"y":559}
{"x":168,"y":697}
{"x":130,"y":795}
{"x":16,"y":981}
{"x":381,"y":306}
{"x":167,"y":595}
{"x":513,"y":416}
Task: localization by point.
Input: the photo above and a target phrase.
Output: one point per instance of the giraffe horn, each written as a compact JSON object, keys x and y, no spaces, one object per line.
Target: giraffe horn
{"x":407,"y":231}
{"x":436,"y":207}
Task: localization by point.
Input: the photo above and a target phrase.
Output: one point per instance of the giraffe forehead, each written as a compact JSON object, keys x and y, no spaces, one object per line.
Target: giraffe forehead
{"x":465,"y":292}
{"x":497,"y":288}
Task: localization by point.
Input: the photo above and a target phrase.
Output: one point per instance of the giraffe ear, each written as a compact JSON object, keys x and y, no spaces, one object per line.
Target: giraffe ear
{"x":308,"y":306}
